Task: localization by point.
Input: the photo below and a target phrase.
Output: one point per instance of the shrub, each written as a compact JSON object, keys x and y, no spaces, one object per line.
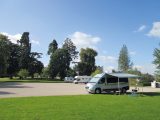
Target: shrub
{"x":23,"y":73}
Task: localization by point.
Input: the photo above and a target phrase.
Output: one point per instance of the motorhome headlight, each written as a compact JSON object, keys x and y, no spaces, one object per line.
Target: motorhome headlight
{"x":87,"y":87}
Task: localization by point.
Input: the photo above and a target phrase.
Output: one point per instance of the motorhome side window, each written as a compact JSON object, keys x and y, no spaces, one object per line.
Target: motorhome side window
{"x":123,"y":79}
{"x":102,"y":81}
{"x":112,"y":80}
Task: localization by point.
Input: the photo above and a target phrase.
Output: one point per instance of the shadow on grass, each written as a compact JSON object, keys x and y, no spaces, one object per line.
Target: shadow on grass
{"x":151,"y":94}
{"x":13,"y":85}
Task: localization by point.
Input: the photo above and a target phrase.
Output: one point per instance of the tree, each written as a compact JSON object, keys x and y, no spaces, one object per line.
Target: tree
{"x":59,"y":63}
{"x":13,"y":61}
{"x":156,"y":61}
{"x":156,"y":55}
{"x":71,"y":48}
{"x":53,"y":46}
{"x":45,"y":72}
{"x":35,"y":66}
{"x":97,"y":71}
{"x":25,"y":51}
{"x":124,"y":62}
{"x":23,"y":73}
{"x":87,"y":64}
{"x":52,"y":67}
{"x":60,"y":58}
{"x":4,"y":54}
{"x":71,"y":72}
{"x":29,"y":60}
{"x":157,"y":75}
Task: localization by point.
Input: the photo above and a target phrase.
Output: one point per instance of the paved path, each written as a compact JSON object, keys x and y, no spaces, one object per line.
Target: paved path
{"x":12,"y":89}
{"x":40,"y":89}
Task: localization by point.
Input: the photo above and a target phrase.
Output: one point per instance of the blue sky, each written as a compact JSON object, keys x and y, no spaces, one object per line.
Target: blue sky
{"x":104,"y":25}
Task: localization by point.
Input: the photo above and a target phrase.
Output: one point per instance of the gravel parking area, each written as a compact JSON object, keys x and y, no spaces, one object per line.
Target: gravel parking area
{"x":13,"y":89}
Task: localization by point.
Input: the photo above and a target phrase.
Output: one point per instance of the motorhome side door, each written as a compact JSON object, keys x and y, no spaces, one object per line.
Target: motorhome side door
{"x":102,"y":83}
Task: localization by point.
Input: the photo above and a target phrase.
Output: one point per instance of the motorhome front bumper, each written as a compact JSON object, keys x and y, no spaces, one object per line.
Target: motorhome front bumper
{"x":89,"y":90}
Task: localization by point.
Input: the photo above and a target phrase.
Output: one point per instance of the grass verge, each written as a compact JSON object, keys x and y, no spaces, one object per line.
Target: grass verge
{"x":84,"y":107}
{"x":30,"y":80}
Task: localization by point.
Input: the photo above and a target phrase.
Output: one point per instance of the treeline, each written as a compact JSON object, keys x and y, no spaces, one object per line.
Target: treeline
{"x":19,"y":60}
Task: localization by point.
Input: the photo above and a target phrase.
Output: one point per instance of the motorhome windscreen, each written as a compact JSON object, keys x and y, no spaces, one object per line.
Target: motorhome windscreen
{"x":94,"y":80}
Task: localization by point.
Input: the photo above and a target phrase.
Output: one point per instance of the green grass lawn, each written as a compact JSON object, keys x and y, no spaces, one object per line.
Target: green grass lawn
{"x":84,"y":107}
{"x":30,"y":80}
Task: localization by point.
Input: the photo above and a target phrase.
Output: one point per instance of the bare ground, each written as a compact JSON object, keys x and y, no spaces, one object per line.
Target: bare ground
{"x":13,"y":89}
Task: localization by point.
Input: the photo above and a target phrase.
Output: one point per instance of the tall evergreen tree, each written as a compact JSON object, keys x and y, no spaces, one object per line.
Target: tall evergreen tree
{"x":25,"y":51}
{"x":156,"y":61}
{"x":124,"y":62}
{"x":54,"y":61}
{"x":71,"y":49}
{"x":53,"y":46}
{"x":29,"y":60}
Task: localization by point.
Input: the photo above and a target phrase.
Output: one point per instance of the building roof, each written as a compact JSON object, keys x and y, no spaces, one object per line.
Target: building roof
{"x":123,"y":75}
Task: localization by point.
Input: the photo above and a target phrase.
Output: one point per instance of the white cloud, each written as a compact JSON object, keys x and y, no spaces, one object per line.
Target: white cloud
{"x":35,"y":42}
{"x":83,"y":40}
{"x":155,"y":31}
{"x":141,"y":28}
{"x":106,"y":59}
{"x":13,"y":38}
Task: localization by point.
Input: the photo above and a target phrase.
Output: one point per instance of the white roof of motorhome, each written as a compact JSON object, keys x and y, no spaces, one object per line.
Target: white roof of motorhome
{"x":123,"y":75}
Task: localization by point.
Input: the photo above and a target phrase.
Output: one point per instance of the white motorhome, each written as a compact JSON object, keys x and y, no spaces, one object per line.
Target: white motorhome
{"x":68,"y":79}
{"x":109,"y":82}
{"x":82,"y":79}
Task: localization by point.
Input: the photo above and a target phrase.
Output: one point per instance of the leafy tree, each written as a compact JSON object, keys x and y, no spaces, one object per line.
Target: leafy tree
{"x":135,"y":71}
{"x":45,"y":72}
{"x":97,"y":71}
{"x":87,"y":64}
{"x":71,"y":72}
{"x":23,"y":73}
{"x":59,"y":63}
{"x":60,"y":58}
{"x":13,"y":61}
{"x":147,"y":79}
{"x":4,"y":54}
{"x":157,"y":75}
{"x":124,"y":62}
{"x":35,"y":66}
